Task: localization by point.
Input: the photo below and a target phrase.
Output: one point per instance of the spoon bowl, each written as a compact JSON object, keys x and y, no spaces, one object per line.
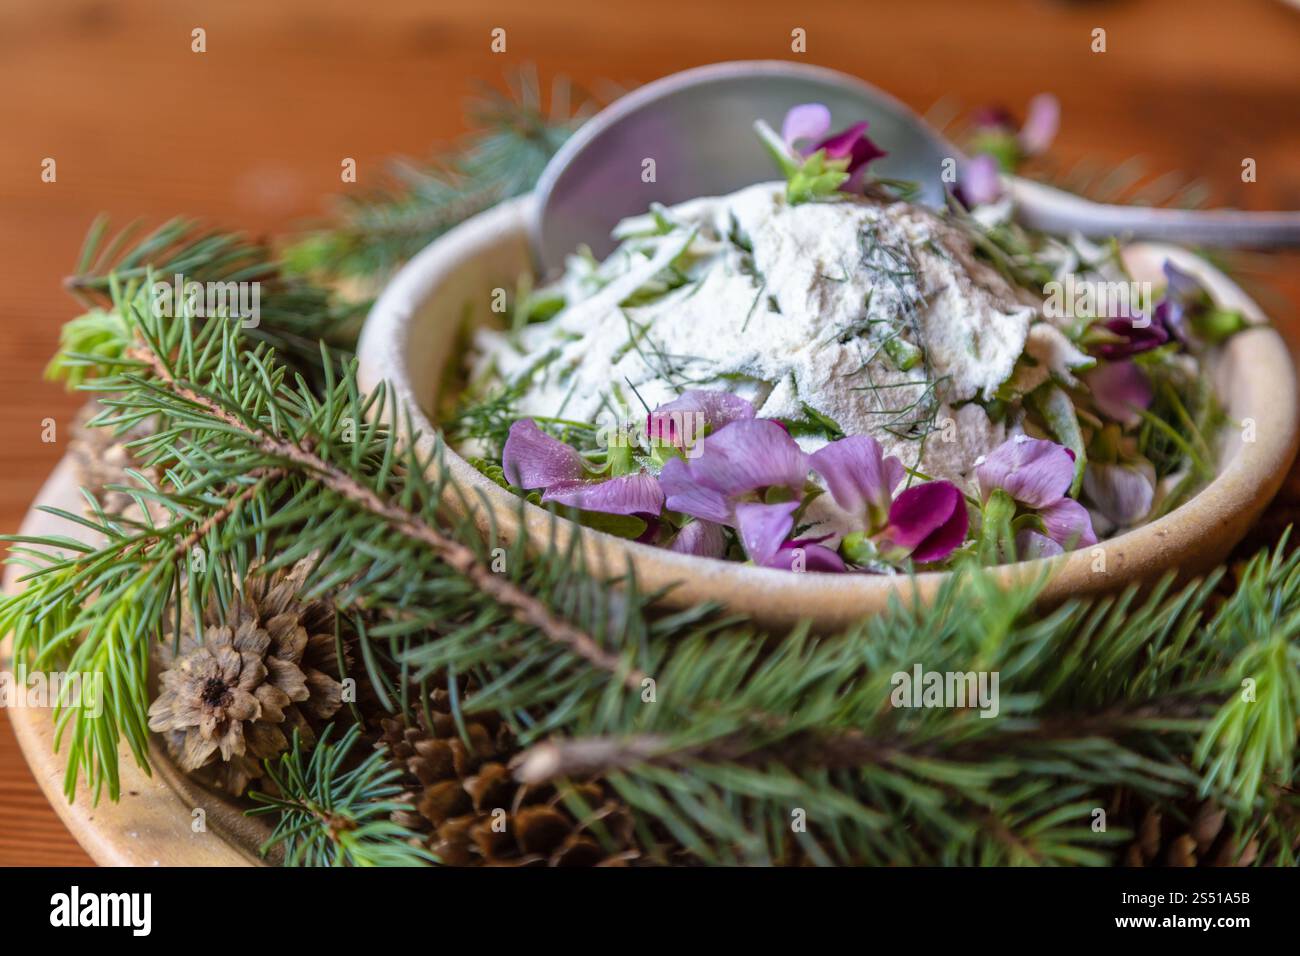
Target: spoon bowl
{"x":691,"y":134}
{"x":697,"y":127}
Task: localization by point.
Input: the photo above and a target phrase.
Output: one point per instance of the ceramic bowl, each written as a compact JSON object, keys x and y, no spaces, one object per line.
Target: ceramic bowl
{"x":412,"y":335}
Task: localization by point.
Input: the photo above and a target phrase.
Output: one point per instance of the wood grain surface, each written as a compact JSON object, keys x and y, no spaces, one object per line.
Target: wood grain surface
{"x":252,"y":132}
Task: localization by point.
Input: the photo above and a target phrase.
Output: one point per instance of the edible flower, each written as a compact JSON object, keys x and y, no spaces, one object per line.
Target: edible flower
{"x":743,"y":459}
{"x":926,"y":522}
{"x":859,"y":477}
{"x":1187,"y":311}
{"x":815,"y":161}
{"x":533,"y":460}
{"x":1034,"y":474}
{"x":765,"y":532}
{"x":701,"y":538}
{"x":679,"y":423}
{"x":1123,"y":493}
{"x":996,"y":134}
{"x":979,"y":181}
{"x":1120,"y":391}
{"x":1129,"y":334}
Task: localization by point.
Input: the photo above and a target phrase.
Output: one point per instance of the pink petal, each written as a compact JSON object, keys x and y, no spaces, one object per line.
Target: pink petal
{"x":701,"y":538}
{"x":740,"y":458}
{"x":929,"y":520}
{"x":684,"y":493}
{"x":840,"y":145}
{"x":1068,"y":524}
{"x":980,"y":182}
{"x":1035,"y":472}
{"x":807,"y":556}
{"x":854,"y":145}
{"x":1041,"y":124}
{"x":860,"y":478}
{"x":627,"y":495}
{"x":678,"y":422}
{"x":533,"y":459}
{"x":764,"y":528}
{"x":1031,"y":545}
{"x":1119,"y":389}
{"x":1123,"y":493}
{"x":806,"y":123}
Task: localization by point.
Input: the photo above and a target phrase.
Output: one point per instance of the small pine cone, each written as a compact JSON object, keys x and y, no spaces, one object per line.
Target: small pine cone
{"x":234,"y":695}
{"x":474,"y":812}
{"x":1202,"y":841}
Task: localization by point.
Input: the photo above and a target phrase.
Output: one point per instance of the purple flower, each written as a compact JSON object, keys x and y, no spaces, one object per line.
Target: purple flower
{"x":1031,"y":545}
{"x":1068,"y":527}
{"x":805,"y":124}
{"x":859,"y":477}
{"x":1038,"y":474}
{"x":1132,"y":334}
{"x":1119,"y":390}
{"x":1034,"y":472}
{"x":533,"y":459}
{"x":1068,"y":524}
{"x":811,"y":122}
{"x":764,"y":531}
{"x":738,"y":459}
{"x":928,"y":521}
{"x":701,"y":538}
{"x":1041,"y":124}
{"x":1123,"y":493}
{"x":807,"y":555}
{"x":979,"y":182}
{"x":1189,"y":314}
{"x":1035,"y":136}
{"x":681,"y":422}
{"x":637,"y":494}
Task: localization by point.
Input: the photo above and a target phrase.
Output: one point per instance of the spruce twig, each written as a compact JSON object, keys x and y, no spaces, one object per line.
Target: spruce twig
{"x":332,"y":816}
{"x":460,"y":558}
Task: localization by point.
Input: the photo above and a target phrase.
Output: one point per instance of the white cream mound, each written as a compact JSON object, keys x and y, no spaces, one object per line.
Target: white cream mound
{"x":814,"y":306}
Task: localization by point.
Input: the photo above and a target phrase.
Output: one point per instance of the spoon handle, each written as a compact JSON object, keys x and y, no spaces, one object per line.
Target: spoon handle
{"x":1052,"y":210}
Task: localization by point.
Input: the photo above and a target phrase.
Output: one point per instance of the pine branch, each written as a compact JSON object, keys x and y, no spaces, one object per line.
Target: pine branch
{"x":332,"y":816}
{"x":369,"y":509}
{"x":744,"y":727}
{"x":295,"y":315}
{"x":837,"y":747}
{"x":416,"y":527}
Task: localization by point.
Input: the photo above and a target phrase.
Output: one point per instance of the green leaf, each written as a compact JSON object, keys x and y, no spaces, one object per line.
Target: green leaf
{"x":1057,"y":410}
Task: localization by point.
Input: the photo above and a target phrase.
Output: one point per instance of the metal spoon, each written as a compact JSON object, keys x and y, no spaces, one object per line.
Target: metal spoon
{"x":697,"y":128}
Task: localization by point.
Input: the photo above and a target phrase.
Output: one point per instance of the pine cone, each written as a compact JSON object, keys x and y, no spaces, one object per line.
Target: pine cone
{"x":1201,"y":841}
{"x":473,"y":812}
{"x":234,"y":697}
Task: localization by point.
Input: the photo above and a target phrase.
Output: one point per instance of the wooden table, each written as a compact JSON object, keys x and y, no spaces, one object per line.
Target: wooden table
{"x":251,"y":133}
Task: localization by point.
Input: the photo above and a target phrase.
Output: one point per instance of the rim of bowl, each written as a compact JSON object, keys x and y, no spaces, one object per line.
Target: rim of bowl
{"x":1190,"y":539}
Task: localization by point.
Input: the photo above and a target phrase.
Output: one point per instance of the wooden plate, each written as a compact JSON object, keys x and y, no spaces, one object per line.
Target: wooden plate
{"x":156,"y":822}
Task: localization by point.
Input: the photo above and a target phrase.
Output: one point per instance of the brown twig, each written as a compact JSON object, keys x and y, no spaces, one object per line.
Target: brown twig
{"x":593,"y":756}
